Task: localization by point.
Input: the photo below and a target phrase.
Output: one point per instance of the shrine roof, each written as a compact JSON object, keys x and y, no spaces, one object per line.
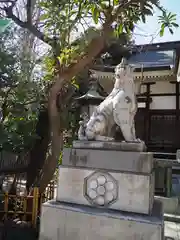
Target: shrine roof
{"x":153,"y":59}
{"x":157,"y":46}
{"x":149,"y":61}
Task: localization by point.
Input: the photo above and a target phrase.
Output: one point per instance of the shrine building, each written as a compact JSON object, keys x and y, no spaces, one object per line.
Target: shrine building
{"x":157,"y":70}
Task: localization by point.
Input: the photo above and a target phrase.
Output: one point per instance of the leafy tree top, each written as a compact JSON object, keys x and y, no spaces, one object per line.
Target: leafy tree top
{"x":60,"y":19}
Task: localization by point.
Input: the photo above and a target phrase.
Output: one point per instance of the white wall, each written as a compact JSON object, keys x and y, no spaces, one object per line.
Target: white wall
{"x":165,"y":102}
{"x":162,"y":102}
{"x":163,"y":87}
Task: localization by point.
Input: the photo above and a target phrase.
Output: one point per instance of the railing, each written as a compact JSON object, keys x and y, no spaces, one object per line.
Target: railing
{"x":50,"y":192}
{"x":24,"y":207}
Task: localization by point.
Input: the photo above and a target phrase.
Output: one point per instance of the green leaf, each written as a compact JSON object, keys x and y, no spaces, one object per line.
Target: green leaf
{"x":149,"y":5}
{"x":95,"y":14}
{"x":120,"y":29}
{"x":115,"y":2}
{"x":44,"y":16}
{"x":74,"y":83}
{"x":175,"y":25}
{"x":143,"y":18}
{"x":167,"y":20}
{"x":126,"y":27}
{"x":4,"y":23}
{"x":162,"y":30}
{"x":171,"y":31}
{"x":148,"y":12}
{"x":131,"y":26}
{"x":171,"y":16}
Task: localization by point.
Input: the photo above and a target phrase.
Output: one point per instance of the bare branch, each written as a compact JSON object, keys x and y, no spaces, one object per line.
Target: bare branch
{"x":29,"y":11}
{"x":7,"y":1}
{"x":26,"y":24}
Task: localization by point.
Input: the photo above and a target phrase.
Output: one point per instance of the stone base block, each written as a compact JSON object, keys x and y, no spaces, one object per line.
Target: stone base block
{"x":115,"y":190}
{"x":137,"y":162}
{"x":62,"y":221}
{"x":170,"y":205}
{"x":108,"y":145}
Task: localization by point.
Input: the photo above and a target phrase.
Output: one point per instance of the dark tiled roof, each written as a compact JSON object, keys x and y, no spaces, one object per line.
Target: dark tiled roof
{"x":158,"y":46}
{"x":153,"y":59}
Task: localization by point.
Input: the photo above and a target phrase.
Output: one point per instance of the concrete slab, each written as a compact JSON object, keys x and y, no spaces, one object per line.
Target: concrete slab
{"x":138,"y":162}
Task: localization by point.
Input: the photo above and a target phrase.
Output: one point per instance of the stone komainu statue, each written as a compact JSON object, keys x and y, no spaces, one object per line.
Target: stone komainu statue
{"x":119,"y":108}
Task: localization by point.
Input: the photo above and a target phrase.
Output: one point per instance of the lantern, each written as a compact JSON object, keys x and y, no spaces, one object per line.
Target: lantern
{"x":91,"y":99}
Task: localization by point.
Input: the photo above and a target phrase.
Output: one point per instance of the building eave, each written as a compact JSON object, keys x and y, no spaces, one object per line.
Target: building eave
{"x":110,"y":69}
{"x":137,"y":75}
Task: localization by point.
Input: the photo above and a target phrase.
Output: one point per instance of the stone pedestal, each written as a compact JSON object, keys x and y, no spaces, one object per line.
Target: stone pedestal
{"x":104,"y":193}
{"x":62,"y":221}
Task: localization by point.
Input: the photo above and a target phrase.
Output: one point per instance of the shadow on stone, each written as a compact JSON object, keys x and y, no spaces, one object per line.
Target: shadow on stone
{"x":17,"y":230}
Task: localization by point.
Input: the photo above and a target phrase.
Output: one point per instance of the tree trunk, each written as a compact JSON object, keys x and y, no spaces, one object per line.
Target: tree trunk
{"x":56,"y":138}
{"x":94,"y":48}
{"x":37,"y":154}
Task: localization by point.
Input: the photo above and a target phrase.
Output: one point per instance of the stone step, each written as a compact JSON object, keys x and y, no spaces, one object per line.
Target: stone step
{"x":74,"y":222}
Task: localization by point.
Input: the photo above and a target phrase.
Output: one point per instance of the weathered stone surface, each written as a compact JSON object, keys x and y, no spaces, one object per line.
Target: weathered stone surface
{"x":170,"y":205}
{"x":125,"y":191}
{"x":139,"y":162}
{"x":118,"y":109}
{"x":77,"y":222}
{"x":110,"y":145}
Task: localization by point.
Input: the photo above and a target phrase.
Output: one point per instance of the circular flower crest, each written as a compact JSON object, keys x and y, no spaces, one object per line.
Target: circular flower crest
{"x":101,"y":189}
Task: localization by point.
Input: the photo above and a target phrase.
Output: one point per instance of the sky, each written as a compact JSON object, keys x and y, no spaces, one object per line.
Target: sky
{"x":151,"y":27}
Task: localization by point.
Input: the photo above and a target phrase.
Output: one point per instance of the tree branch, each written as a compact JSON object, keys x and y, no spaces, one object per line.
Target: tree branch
{"x":27,"y":25}
{"x":6,"y":1}
{"x":96,"y":45}
{"x":29,"y":12}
